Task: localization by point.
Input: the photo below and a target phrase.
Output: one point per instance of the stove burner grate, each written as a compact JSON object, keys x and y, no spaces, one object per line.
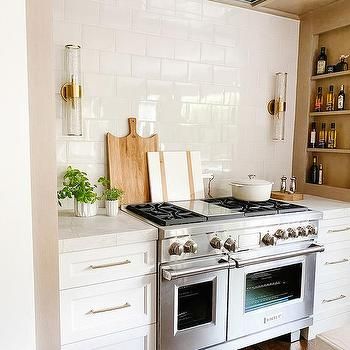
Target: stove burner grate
{"x":166,"y":214}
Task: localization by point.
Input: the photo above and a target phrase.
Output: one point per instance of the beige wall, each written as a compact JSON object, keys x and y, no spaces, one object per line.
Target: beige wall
{"x":43,"y":170}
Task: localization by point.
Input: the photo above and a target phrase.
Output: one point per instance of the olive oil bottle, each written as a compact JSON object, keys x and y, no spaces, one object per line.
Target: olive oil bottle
{"x":332,"y":137}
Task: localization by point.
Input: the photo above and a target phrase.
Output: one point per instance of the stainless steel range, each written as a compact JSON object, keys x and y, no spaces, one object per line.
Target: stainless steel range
{"x":232,"y":273}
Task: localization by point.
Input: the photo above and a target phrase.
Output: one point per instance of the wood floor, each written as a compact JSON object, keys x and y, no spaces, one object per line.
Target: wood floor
{"x":281,"y":344}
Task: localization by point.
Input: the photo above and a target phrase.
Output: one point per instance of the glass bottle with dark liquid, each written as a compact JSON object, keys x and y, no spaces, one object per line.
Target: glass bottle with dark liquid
{"x":321,"y":64}
{"x":314,"y":171}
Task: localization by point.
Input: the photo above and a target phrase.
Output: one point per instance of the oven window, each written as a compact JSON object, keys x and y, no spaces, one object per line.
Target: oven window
{"x":274,"y":286}
{"x":195,"y":305}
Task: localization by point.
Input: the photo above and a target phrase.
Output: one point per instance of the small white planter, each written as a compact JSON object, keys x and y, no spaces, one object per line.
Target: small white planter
{"x":112,"y":208}
{"x":85,"y":209}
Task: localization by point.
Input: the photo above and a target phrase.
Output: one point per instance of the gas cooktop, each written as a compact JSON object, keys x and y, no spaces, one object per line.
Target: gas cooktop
{"x":186,"y":212}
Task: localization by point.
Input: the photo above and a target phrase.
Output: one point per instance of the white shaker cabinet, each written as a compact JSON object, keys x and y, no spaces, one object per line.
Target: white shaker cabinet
{"x":107,"y":283}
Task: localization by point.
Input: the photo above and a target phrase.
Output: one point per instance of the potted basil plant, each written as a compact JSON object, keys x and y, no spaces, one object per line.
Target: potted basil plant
{"x":77,"y":185}
{"x":111,"y":196}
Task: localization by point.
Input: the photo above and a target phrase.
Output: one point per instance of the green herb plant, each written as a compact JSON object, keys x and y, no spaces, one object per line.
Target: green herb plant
{"x":77,"y":185}
{"x":110,"y":194}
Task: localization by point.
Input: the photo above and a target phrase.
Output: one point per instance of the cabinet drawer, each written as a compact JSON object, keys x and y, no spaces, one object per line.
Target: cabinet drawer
{"x":141,"y":338}
{"x":92,"y":311}
{"x":106,"y":264}
{"x":334,"y":263}
{"x":330,"y":300}
{"x":339,"y":231}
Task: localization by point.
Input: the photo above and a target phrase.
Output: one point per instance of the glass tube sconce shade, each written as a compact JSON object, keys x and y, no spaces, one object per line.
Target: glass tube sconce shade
{"x":71,"y":92}
{"x":277,"y":107}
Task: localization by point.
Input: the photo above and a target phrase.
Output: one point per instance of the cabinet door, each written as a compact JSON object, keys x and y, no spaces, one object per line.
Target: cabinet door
{"x":141,"y":338}
{"x":92,"y":311}
{"x":107,"y":264}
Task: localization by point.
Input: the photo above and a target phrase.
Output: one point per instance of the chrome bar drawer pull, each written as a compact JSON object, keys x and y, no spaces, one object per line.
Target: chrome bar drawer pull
{"x":336,"y":262}
{"x":340,"y":230}
{"x":324,"y":301}
{"x":125,"y":262}
{"x":108,"y":309}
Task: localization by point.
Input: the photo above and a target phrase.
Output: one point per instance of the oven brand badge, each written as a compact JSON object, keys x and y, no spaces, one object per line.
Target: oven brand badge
{"x":272,"y":318}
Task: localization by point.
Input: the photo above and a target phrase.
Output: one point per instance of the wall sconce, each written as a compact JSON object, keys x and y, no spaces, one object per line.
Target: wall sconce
{"x":277,"y":107}
{"x":71,"y":91}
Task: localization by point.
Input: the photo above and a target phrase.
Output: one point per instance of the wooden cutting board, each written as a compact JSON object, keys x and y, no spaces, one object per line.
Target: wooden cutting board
{"x":287,"y":196}
{"x":127,"y":163}
{"x":175,"y":175}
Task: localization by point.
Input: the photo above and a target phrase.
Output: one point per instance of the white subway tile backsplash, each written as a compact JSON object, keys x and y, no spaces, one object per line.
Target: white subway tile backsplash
{"x":212,"y":94}
{"x":132,"y":88}
{"x":90,"y":107}
{"x":201,"y":31}
{"x":212,"y":54}
{"x":61,"y":152}
{"x":112,"y":63}
{"x":160,"y":90}
{"x":187,"y":50}
{"x":199,"y":72}
{"x":116,"y":17}
{"x":160,"y":47}
{"x":66,"y":33}
{"x":114,"y":107}
{"x":99,"y":85}
{"x":146,"y":67}
{"x":162,"y":4}
{"x":146,"y":22}
{"x":183,"y":68}
{"x":98,"y":38}
{"x":81,"y":11}
{"x":97,"y":129}
{"x":226,"y":75}
{"x":189,"y":7}
{"x":129,"y":42}
{"x":226,"y":35}
{"x":58,"y":9}
{"x":90,"y":60}
{"x":86,"y":152}
{"x":174,"y":70}
{"x":186,"y":92}
{"x":174,"y":27}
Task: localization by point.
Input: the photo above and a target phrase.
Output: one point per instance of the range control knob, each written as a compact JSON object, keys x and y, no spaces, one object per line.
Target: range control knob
{"x":311,"y":230}
{"x":281,"y":234}
{"x":190,"y":247}
{"x":217,"y":243}
{"x":176,"y":249}
{"x":292,"y":233}
{"x":230,"y":244}
{"x":301,"y":231}
{"x":269,"y":240}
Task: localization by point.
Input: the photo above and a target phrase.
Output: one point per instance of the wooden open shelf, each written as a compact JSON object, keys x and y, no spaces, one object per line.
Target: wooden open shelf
{"x":329,"y":114}
{"x":330,"y":75}
{"x":329,"y":150}
{"x":336,"y":162}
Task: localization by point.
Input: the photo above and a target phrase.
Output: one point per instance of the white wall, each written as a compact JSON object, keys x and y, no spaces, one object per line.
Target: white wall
{"x":17,"y":318}
{"x":198,"y":73}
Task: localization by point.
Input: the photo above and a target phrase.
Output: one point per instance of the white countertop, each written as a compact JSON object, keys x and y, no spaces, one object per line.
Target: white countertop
{"x":101,"y":231}
{"x":330,"y":208}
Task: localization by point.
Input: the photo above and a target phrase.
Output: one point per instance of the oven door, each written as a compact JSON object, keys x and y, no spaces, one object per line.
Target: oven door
{"x":193,"y":304}
{"x":276,"y":291}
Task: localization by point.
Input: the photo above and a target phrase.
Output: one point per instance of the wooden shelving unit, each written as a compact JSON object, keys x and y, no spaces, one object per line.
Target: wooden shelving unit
{"x":336,"y":162}
{"x":327,"y":150}
{"x":330,"y":114}
{"x":330,"y":75}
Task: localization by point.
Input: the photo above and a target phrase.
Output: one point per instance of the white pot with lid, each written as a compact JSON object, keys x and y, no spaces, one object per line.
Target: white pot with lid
{"x":251,"y":189}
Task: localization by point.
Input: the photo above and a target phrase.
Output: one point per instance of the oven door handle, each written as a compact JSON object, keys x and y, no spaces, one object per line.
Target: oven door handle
{"x":314,"y":248}
{"x":170,"y":274}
